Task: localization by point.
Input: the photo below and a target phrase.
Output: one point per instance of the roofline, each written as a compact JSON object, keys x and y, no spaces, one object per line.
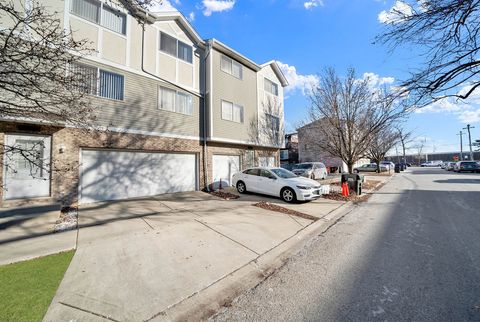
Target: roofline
{"x":277,"y":71}
{"x":178,"y":16}
{"x":216,"y":44}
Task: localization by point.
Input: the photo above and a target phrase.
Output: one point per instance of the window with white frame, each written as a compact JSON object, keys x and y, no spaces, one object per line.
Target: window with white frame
{"x":174,"y":47}
{"x":101,"y":14}
{"x":273,"y":122}
{"x":271,"y":87}
{"x":231,"y":67}
{"x":232,"y":112}
{"x":95,"y":81}
{"x":171,"y":100}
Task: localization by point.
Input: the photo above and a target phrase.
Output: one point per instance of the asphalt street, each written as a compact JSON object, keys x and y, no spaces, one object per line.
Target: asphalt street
{"x":411,"y":253}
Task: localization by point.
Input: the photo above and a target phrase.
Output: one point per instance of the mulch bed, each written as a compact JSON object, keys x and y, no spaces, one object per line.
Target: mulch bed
{"x":277,"y":208}
{"x":224,"y":195}
{"x":352,"y":197}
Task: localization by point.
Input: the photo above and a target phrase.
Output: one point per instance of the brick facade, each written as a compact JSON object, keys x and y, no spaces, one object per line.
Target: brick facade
{"x":68,"y":142}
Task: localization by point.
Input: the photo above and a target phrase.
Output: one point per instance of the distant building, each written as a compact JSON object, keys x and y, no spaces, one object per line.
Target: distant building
{"x":443,"y":156}
{"x":308,"y":150}
{"x":289,"y":154}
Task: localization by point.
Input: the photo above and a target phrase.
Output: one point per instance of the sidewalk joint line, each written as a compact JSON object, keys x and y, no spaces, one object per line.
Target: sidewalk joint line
{"x":227,"y":237}
{"x":146,"y":222}
{"x":88,"y":311}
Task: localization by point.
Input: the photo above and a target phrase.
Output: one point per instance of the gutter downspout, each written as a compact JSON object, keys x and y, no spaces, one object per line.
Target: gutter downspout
{"x":205,"y":154}
{"x":205,"y":148}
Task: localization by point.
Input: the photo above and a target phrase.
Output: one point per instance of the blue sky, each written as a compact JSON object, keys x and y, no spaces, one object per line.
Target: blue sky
{"x":305,"y":36}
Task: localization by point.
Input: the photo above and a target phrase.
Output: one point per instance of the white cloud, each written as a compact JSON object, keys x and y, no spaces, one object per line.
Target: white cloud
{"x":210,"y":6}
{"x":297,"y":82}
{"x":312,"y":4}
{"x":467,"y":111}
{"x":376,"y":81}
{"x":396,"y":14}
{"x":191,"y":16}
{"x":164,"y":5}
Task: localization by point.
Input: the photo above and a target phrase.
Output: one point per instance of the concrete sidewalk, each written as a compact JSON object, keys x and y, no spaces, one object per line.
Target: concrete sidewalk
{"x":27,"y":232}
{"x":174,"y":256}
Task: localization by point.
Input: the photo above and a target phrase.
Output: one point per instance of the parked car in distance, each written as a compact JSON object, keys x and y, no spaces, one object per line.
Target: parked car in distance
{"x":288,"y":166}
{"x":436,"y":163}
{"x":388,"y":164}
{"x":276,"y":182}
{"x":312,"y":170}
{"x":450,"y":166}
{"x":466,"y":166}
{"x":370,"y":167}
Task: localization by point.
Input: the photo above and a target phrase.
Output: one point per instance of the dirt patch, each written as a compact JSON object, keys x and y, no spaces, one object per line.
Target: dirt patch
{"x":224,"y":195}
{"x":370,"y":184}
{"x":277,"y":208}
{"x":352,"y":197}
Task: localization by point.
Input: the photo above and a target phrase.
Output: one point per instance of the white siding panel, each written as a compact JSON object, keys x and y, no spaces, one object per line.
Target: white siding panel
{"x":113,"y":175}
{"x":224,"y":167}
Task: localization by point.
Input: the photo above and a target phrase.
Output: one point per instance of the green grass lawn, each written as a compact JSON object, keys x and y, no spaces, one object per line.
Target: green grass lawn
{"x":27,"y":288}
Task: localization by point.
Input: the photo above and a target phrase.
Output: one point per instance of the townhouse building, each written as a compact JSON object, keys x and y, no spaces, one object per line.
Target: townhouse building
{"x":174,"y":112}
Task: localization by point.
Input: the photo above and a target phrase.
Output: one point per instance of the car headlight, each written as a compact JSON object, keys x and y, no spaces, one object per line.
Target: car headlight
{"x":303,"y":187}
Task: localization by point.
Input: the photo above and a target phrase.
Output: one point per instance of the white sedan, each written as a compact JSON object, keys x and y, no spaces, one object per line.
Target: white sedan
{"x":276,"y":182}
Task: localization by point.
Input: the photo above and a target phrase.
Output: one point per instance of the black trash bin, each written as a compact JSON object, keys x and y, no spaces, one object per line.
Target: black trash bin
{"x":354,"y":181}
{"x":397,"y":168}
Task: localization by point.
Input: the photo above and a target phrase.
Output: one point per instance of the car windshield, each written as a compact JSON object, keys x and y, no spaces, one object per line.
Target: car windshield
{"x":470,"y":162}
{"x":282,"y":173}
{"x":303,"y":166}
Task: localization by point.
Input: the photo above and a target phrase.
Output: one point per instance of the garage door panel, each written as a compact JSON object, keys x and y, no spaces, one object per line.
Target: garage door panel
{"x":113,"y":175}
{"x":224,"y":167}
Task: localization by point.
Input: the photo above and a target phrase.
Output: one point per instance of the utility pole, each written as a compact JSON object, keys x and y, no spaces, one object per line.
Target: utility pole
{"x":469,"y":139}
{"x":461,"y":145}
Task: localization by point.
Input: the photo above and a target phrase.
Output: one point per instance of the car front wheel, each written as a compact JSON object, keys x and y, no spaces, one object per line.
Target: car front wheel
{"x":241,"y":188}
{"x":288,"y":195}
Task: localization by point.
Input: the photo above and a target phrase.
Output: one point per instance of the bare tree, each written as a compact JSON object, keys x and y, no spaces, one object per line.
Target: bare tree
{"x":267,"y":129}
{"x":404,"y":138}
{"x":419,"y":149}
{"x":381,"y":144}
{"x":349,"y":114}
{"x":448,"y":33}
{"x":41,"y":78}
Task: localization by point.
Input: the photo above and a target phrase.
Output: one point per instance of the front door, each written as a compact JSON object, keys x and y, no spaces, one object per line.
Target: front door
{"x":26,"y":166}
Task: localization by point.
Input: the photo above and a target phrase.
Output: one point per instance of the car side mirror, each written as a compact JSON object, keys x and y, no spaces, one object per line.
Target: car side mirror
{"x":272,"y":177}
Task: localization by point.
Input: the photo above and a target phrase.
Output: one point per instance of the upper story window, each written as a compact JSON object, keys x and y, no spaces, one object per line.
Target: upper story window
{"x":232,"y":67}
{"x":232,"y":112}
{"x":273,"y":122}
{"x":174,"y":47}
{"x":99,"y":82}
{"x":99,"y":13}
{"x":171,"y":100}
{"x":271,"y":87}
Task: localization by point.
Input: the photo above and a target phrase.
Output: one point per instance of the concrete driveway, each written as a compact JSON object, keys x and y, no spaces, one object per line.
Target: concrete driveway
{"x":137,"y":258}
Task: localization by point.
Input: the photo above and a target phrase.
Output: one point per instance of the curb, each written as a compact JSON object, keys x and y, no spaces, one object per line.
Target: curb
{"x":209,"y":301}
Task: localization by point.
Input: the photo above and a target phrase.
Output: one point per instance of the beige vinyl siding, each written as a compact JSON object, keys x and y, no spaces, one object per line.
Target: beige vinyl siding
{"x":185,"y":74}
{"x":151,"y":48}
{"x":135,"y":44}
{"x":83,"y":30}
{"x":114,"y":47}
{"x":167,"y":67}
{"x":139,"y":110}
{"x":238,"y":91}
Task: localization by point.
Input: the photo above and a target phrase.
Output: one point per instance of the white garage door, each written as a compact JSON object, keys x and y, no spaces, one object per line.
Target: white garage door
{"x":113,"y":175}
{"x":224,"y":167}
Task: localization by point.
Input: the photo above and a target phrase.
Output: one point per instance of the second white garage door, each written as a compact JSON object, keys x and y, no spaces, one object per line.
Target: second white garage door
{"x":113,"y":175}
{"x":224,"y":167}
